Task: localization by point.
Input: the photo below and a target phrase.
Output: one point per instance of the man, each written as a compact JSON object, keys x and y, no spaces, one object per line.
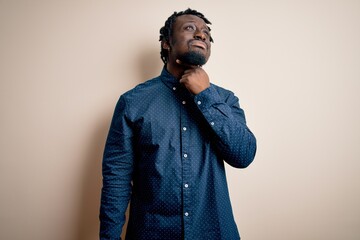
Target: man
{"x":167,"y":144}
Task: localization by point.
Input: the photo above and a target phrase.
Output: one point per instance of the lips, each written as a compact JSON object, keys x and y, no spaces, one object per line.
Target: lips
{"x":199,"y":44}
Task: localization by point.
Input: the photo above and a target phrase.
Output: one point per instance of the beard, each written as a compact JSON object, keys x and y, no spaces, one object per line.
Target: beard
{"x":193,"y":58}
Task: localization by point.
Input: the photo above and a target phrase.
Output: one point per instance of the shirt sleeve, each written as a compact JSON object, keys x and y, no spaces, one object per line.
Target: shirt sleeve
{"x":233,"y":140}
{"x":117,"y":168}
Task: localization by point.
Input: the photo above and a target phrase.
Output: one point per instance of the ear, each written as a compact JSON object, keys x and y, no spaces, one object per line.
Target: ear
{"x":165,"y":45}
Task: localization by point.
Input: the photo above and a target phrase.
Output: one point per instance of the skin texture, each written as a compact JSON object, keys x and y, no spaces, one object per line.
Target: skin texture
{"x":190,"y":33}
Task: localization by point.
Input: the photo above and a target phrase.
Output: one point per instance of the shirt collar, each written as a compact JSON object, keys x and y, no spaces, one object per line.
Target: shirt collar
{"x":171,"y":82}
{"x":168,"y":79}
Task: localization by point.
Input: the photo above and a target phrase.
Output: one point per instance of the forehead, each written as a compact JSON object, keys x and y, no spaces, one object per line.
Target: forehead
{"x":180,"y":20}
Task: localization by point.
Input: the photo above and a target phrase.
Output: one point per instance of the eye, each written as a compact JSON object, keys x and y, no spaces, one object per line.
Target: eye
{"x":207,"y":32}
{"x":190,"y":27}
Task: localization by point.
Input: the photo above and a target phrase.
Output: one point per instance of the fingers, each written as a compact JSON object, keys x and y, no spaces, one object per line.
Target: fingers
{"x":195,"y":79}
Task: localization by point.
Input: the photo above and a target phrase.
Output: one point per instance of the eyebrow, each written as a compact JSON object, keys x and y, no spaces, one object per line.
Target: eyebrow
{"x":204,"y":25}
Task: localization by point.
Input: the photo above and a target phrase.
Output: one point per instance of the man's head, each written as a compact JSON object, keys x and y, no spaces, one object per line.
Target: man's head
{"x":186,"y":36}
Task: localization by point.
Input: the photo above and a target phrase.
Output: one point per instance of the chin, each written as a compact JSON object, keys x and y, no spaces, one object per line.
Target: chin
{"x":193,"y":58}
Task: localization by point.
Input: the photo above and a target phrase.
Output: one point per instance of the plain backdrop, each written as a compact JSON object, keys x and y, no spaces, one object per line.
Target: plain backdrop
{"x":295,"y":65}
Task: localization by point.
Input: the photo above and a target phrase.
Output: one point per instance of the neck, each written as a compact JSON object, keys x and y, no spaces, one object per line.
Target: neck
{"x":175,"y":69}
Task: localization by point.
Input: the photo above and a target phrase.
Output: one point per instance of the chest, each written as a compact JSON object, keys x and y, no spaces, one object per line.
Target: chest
{"x":169,"y":120}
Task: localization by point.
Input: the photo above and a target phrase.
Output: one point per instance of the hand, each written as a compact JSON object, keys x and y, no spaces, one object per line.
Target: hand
{"x":195,"y":79}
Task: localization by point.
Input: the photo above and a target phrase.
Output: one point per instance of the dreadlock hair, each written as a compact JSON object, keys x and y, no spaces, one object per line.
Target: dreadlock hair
{"x":166,"y":30}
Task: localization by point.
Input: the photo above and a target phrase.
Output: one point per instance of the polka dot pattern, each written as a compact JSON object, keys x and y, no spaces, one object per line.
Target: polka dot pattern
{"x":165,"y":153}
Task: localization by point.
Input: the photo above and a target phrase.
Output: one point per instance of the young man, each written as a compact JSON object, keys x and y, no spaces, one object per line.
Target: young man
{"x":167,"y":144}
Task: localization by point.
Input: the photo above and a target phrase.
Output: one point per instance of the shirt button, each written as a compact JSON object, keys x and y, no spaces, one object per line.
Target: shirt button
{"x":212,"y":123}
{"x":186,"y":214}
{"x":198,"y":102}
{"x":174,"y":88}
{"x":184,"y":102}
{"x":186,"y":185}
{"x":185,"y":155}
{"x":184,"y":128}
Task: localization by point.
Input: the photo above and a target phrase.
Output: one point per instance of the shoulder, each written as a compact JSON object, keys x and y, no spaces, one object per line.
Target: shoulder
{"x":138,"y":99}
{"x":143,"y":88}
{"x":143,"y":91}
{"x":223,"y":92}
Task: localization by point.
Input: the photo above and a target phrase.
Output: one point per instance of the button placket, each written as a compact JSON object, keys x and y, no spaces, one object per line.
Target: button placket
{"x":186,"y":166}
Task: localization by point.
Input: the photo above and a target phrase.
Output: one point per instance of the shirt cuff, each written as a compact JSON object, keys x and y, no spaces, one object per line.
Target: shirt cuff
{"x":205,"y":99}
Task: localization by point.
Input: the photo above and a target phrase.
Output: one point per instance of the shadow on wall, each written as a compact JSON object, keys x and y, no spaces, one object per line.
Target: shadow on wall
{"x":88,"y":223}
{"x":148,"y":65}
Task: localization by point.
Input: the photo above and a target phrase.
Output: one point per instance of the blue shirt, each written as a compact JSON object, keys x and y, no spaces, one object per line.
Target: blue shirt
{"x":165,"y":151}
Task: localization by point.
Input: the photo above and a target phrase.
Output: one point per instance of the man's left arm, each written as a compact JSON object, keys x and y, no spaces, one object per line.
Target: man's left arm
{"x":234,"y":141}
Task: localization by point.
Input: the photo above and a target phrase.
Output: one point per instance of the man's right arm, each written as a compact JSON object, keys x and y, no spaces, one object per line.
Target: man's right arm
{"x":117,"y":169}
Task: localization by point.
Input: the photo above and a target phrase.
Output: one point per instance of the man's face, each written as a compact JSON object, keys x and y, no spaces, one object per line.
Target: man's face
{"x":190,"y":41}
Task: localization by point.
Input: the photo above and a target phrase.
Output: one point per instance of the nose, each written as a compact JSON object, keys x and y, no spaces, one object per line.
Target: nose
{"x":199,"y":35}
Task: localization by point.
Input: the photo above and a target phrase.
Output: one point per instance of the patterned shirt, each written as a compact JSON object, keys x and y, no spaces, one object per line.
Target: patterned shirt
{"x":165,"y":153}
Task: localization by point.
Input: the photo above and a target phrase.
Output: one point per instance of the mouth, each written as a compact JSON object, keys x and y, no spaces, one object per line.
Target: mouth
{"x":198,"y":44}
